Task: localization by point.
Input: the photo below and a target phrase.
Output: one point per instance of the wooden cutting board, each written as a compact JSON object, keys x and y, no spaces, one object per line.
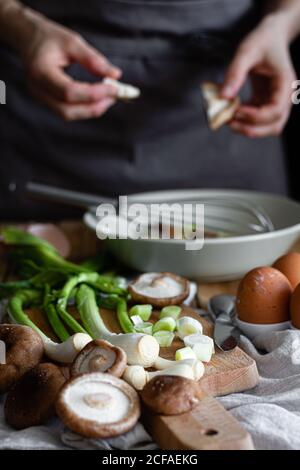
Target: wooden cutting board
{"x":208,"y":426}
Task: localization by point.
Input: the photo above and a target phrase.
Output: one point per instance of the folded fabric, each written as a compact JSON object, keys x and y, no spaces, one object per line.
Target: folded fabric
{"x":136,"y":439}
{"x":271,"y":411}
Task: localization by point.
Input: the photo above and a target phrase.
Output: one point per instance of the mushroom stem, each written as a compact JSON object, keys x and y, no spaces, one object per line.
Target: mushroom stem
{"x":138,"y":377}
{"x":197,"y":366}
{"x":181,"y":370}
{"x":67,"y":351}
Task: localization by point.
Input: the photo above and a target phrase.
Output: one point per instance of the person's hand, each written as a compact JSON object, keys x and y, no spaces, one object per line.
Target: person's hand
{"x":52,"y":48}
{"x":264,"y":57}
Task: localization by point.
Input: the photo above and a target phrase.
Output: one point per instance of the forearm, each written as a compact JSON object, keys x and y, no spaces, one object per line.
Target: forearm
{"x":287,"y":12}
{"x":17,"y":24}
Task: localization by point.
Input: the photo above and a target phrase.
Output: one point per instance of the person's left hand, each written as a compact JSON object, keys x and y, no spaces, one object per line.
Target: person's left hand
{"x":264,"y":57}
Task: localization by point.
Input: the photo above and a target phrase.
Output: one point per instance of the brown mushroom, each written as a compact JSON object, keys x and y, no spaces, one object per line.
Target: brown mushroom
{"x":171,"y":395}
{"x":159,"y":289}
{"x":24,"y":349}
{"x":98,"y":405}
{"x":100,"y":356}
{"x":31,"y":401}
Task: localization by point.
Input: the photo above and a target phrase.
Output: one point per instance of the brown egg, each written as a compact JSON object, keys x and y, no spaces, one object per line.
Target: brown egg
{"x":264,"y":296}
{"x":295,"y":307}
{"x":289,"y":265}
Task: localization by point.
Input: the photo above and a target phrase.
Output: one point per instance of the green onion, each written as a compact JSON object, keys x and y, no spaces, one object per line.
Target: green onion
{"x":104,"y":283}
{"x":64,"y":296}
{"x":123,"y":317}
{"x":107,"y":301}
{"x":140,"y":349}
{"x":89,"y":312}
{"x":38,"y":251}
{"x":53,"y":317}
{"x":7,"y":289}
{"x":164,"y":338}
{"x":185,"y":353}
{"x":171,"y":311}
{"x":144,"y":327}
{"x":15,"y":236}
{"x":16,"y":306}
{"x":143,"y":311}
{"x":165,"y":324}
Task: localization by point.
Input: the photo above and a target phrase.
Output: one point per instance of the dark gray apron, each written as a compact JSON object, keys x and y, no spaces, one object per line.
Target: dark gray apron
{"x":161,"y":141}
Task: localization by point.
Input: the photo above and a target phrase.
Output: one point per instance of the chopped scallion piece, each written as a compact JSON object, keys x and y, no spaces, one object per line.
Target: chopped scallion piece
{"x":164,"y":338}
{"x":165,"y":324}
{"x":170,"y":311}
{"x":136,"y":320}
{"x":185,"y":353}
{"x":143,"y":311}
{"x":144,"y":327}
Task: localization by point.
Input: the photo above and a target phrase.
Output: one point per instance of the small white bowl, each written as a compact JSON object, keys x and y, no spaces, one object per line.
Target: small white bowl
{"x":253,"y":329}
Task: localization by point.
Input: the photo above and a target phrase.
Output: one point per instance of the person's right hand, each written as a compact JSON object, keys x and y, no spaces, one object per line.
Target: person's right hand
{"x":53,"y":48}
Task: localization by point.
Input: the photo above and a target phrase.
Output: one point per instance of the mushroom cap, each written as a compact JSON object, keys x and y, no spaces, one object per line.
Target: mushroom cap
{"x":24,"y":350}
{"x":31,"y":401}
{"x":159,"y":289}
{"x":219,"y":110}
{"x":99,"y":356}
{"x":98,"y":405}
{"x":171,"y":395}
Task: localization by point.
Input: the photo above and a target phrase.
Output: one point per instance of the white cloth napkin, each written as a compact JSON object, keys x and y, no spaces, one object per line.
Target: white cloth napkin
{"x":271,"y":411}
{"x":136,"y":439}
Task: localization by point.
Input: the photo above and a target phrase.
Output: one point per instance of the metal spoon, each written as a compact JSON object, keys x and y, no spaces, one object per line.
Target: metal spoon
{"x":221,"y":310}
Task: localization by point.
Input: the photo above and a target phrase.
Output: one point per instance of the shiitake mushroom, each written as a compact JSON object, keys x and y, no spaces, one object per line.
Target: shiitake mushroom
{"x":171,"y":395}
{"x":31,"y":401}
{"x":24,"y":350}
{"x":159,"y":289}
{"x":100,"y":356}
{"x":98,"y":405}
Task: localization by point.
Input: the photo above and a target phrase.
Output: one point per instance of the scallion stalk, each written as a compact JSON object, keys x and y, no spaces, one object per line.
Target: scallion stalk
{"x":53,"y":317}
{"x":122,"y":314}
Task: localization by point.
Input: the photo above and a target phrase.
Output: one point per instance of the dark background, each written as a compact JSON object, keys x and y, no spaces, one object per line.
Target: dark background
{"x":291,"y":135}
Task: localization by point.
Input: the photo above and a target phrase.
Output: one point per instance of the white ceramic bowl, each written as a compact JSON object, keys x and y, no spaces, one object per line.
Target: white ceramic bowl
{"x":252,"y":329}
{"x":221,"y":259}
